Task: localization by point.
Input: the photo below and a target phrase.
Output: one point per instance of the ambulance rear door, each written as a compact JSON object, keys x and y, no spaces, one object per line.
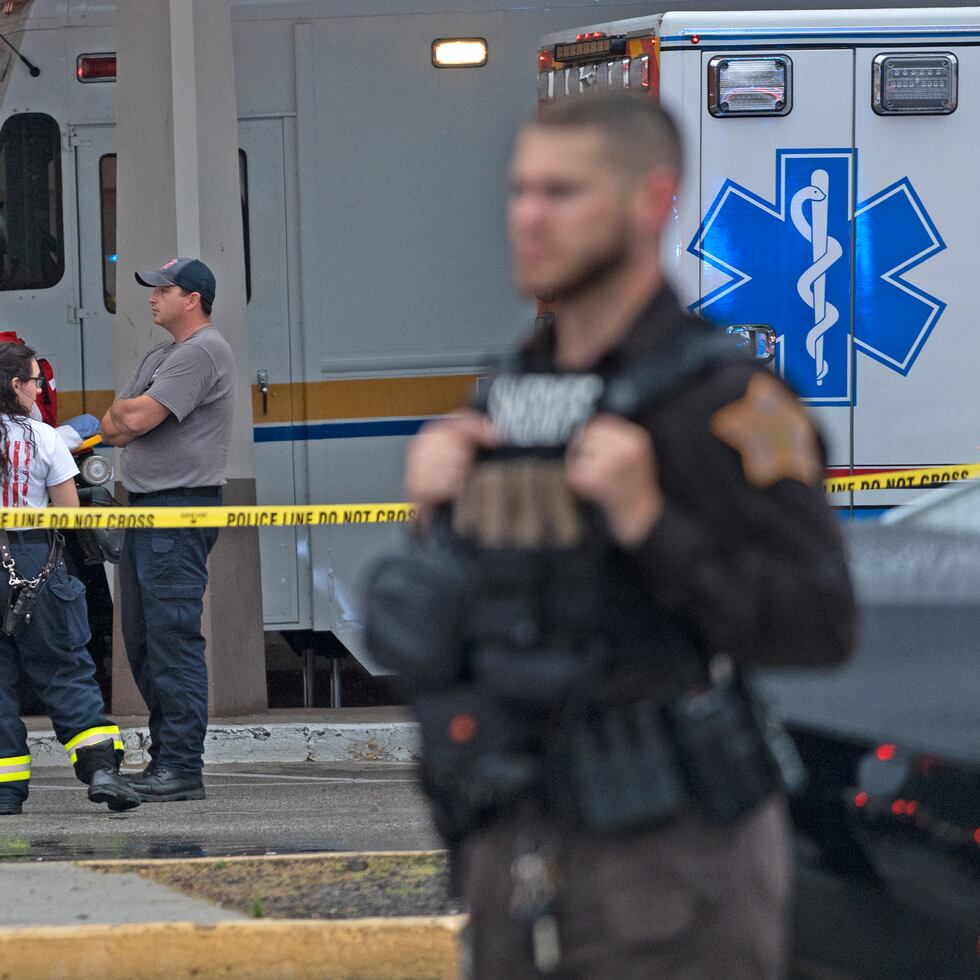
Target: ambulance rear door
{"x":774,"y":246}
{"x":917,"y":288}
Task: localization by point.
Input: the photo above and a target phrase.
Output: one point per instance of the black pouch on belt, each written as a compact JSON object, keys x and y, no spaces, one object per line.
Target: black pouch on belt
{"x":617,"y":763}
{"x":20,"y":605}
{"x":724,"y":747}
{"x":23,"y":594}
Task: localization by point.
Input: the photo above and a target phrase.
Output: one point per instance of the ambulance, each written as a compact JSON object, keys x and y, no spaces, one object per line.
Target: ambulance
{"x":374,"y":137}
{"x":830,"y":192}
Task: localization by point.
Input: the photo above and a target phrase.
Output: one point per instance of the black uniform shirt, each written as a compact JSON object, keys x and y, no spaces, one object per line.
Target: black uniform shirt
{"x":747,"y":556}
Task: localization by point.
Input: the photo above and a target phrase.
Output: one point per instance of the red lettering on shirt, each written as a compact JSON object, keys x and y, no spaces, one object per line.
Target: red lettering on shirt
{"x":27,"y":468}
{"x":14,"y":469}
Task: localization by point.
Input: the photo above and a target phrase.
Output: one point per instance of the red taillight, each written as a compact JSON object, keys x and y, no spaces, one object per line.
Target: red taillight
{"x":96,"y":68}
{"x":590,"y":36}
{"x":546,"y":60}
{"x":861,"y":799}
{"x":695,"y":39}
{"x":885,"y":752}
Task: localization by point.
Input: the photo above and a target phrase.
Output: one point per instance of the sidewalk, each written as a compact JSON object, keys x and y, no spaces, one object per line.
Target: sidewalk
{"x":384,"y":734}
{"x":138,"y":930}
{"x":60,"y":894}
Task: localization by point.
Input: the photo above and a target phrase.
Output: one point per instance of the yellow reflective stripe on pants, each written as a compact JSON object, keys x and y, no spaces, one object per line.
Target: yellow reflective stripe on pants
{"x":93,"y":736}
{"x":15,"y":767}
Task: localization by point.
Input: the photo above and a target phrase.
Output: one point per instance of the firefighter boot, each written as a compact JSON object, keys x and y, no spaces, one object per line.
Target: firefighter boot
{"x":98,"y":766}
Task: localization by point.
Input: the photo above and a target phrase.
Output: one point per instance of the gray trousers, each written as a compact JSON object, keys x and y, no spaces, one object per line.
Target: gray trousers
{"x":688,"y":901}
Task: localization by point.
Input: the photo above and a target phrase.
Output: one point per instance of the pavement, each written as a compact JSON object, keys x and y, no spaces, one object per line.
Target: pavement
{"x":296,"y":781}
{"x":251,"y":809}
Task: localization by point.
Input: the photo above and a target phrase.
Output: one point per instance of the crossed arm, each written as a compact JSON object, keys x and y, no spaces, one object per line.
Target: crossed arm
{"x":130,"y":418}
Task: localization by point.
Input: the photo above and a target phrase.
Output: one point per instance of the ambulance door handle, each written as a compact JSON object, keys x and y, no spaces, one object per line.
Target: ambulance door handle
{"x":262,"y":378}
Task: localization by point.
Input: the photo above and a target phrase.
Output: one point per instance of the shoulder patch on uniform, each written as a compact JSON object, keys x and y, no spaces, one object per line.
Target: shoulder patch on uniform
{"x":771,"y":432}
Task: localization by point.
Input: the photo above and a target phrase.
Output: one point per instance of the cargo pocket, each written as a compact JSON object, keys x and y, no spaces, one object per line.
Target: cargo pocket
{"x":67,"y":594}
{"x":165,"y":548}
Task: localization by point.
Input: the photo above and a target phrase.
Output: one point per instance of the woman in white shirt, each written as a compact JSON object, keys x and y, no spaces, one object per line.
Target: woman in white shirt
{"x":36,"y":469}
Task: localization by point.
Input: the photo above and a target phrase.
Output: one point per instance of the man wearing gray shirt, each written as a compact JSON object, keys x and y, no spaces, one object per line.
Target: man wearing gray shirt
{"x":174,"y":420}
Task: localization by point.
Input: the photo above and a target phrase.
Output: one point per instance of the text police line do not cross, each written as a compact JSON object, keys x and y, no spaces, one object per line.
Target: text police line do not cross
{"x":320,"y":515}
{"x":70,"y":518}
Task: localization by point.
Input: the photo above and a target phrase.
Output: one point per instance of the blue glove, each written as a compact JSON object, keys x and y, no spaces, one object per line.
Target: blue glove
{"x":84,"y":425}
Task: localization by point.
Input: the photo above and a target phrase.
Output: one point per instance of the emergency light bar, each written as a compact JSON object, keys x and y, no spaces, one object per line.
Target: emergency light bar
{"x":459,"y":52}
{"x":750,"y":86}
{"x":96,"y":67}
{"x":591,"y":47}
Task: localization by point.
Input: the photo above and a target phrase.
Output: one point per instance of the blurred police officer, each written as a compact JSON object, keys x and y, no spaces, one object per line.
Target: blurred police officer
{"x":720,"y":540}
{"x":174,"y":418}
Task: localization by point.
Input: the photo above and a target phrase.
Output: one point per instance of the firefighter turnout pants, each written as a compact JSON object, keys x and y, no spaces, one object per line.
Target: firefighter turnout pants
{"x":51,"y":651}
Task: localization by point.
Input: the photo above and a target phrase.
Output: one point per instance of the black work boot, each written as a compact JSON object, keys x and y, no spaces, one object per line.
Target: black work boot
{"x":164,"y":785}
{"x":98,"y":766}
{"x":10,"y":808}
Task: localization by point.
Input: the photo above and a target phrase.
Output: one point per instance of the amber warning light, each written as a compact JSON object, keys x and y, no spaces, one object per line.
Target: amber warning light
{"x":459,"y":52}
{"x":96,"y":67}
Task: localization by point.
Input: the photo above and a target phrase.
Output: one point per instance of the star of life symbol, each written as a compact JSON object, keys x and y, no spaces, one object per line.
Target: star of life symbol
{"x":789,"y":264}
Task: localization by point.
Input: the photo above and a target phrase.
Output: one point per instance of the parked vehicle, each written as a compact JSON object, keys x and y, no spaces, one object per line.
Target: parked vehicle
{"x":890,"y":820}
{"x":372,"y":183}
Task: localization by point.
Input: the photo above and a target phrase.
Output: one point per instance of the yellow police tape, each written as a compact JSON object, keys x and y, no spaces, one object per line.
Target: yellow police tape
{"x":916,"y":479}
{"x":90,"y":518}
{"x":321,"y":515}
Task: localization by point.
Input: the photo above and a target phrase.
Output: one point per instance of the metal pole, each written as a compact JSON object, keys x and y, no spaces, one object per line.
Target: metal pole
{"x":309,"y":677}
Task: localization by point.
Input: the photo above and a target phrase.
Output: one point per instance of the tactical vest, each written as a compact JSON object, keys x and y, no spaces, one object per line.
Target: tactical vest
{"x":540,"y":672}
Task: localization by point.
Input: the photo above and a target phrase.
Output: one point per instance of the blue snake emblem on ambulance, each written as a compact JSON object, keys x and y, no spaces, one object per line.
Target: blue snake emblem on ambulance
{"x":789,"y":263}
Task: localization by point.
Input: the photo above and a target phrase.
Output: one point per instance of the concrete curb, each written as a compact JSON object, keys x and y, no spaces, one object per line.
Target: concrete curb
{"x":348,"y":949}
{"x":396,"y":741}
{"x":338,"y":857}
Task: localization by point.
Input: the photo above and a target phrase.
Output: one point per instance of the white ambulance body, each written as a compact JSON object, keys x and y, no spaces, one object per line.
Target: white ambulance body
{"x":830,"y":192}
{"x":372,"y":190}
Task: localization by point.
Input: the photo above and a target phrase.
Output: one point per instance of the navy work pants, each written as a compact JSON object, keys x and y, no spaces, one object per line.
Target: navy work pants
{"x":163,"y":574}
{"x":51,"y":651}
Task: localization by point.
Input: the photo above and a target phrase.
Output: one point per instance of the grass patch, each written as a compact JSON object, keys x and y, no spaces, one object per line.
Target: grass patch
{"x":327,"y":887}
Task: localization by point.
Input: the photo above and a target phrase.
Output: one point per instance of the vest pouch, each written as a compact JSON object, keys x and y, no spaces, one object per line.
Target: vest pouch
{"x":478,"y":759}
{"x":723,"y":751}
{"x":618,"y":768}
{"x":416,"y":604}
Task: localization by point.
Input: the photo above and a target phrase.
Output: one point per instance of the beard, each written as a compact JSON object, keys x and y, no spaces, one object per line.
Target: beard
{"x":588,"y":272}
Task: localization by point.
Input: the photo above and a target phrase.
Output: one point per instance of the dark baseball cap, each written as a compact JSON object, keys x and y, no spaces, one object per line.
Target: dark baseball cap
{"x":190,"y":274}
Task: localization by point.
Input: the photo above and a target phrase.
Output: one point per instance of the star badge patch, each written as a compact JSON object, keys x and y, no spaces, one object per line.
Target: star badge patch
{"x":770,"y":431}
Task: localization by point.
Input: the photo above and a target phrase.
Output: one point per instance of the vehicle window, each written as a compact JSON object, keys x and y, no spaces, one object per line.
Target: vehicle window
{"x":32,"y":246}
{"x":107,"y":200}
{"x":107,"y":197}
{"x":243,"y":184}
